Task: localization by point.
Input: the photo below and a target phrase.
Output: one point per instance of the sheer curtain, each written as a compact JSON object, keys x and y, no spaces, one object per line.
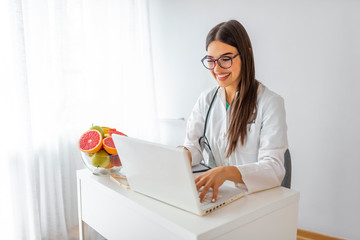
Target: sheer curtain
{"x":65,"y":65}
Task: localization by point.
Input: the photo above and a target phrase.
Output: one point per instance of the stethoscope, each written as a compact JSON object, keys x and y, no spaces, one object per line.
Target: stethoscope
{"x":204,"y":142}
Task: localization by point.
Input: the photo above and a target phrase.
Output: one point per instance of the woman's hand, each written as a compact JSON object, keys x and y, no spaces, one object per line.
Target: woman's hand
{"x":214,"y":178}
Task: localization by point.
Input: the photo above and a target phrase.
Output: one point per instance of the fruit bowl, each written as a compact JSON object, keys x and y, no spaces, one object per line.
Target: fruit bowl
{"x":96,"y":163}
{"x":98,"y":151}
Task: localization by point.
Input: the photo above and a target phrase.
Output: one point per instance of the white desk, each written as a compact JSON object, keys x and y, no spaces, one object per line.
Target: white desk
{"x":118,"y":213}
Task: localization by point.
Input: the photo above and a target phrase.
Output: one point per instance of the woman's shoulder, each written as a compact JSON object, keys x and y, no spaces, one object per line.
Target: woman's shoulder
{"x":266,"y":95}
{"x":207,"y":94}
{"x":203,"y":101}
{"x":268,"y":99}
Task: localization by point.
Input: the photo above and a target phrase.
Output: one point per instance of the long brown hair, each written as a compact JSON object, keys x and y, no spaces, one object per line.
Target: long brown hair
{"x":244,"y":105}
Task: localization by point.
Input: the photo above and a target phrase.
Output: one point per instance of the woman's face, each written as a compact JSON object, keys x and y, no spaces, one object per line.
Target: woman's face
{"x":227,"y":78}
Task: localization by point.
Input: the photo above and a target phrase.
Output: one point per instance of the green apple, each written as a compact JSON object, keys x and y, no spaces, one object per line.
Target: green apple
{"x":100,"y":159}
{"x":99,"y":129}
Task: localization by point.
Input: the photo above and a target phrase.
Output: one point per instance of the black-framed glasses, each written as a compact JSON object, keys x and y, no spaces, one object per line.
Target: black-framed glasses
{"x":223,"y":61}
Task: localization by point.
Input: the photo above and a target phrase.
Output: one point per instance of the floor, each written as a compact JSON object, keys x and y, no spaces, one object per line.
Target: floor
{"x":307,"y":235}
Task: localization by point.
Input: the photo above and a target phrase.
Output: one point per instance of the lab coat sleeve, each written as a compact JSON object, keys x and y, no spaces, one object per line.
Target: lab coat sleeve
{"x":194,"y":130}
{"x":269,"y":170}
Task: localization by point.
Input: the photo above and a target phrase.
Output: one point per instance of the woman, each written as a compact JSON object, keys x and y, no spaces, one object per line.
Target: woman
{"x":245,"y":137}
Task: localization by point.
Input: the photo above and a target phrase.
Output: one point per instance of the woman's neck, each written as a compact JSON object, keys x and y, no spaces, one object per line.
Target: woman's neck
{"x":230,"y":94}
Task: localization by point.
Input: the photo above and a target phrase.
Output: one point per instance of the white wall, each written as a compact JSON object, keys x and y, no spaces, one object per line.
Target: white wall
{"x":308,"y":52}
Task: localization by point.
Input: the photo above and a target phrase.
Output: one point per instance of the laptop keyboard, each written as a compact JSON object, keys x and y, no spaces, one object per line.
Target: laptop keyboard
{"x":208,"y":197}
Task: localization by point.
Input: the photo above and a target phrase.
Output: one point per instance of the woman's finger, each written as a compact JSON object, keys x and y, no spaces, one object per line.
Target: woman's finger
{"x":197,"y":179}
{"x":201,"y":176}
{"x":215,"y":193}
{"x":203,"y":193}
{"x":200,"y":183}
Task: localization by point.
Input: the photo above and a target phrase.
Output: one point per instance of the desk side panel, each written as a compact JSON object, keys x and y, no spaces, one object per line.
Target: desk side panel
{"x":113,"y":218}
{"x":280,"y":225}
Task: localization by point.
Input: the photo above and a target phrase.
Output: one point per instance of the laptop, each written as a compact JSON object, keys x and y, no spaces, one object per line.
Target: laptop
{"x":164,"y":173}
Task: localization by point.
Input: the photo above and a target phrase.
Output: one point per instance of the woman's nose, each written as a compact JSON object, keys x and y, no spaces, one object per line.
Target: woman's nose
{"x":217,"y":66}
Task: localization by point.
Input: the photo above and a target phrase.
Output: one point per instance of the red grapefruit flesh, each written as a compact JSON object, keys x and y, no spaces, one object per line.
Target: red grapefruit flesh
{"x":109,"y":145}
{"x":90,"y":141}
{"x":113,"y":130}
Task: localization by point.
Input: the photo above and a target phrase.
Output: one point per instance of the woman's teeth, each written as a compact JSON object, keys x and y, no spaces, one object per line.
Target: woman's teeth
{"x":222,"y":77}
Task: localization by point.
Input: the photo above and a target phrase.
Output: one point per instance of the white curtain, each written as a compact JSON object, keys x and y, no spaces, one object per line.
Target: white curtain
{"x":65,"y":65}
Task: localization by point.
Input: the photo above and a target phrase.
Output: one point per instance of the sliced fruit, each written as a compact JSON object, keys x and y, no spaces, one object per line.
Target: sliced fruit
{"x":109,"y":145}
{"x":113,"y":130}
{"x":100,"y":159}
{"x":99,"y":129}
{"x":106,"y":130}
{"x":90,"y":141}
{"x":115,"y":160}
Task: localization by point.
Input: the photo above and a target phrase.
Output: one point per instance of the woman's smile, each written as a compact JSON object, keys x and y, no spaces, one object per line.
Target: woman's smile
{"x":228,"y":78}
{"x":222,"y":76}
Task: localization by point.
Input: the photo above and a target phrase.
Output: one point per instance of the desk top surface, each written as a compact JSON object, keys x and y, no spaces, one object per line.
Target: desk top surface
{"x":240,"y":212}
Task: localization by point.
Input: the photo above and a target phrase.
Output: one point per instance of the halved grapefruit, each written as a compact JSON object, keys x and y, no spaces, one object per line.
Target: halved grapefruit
{"x":113,"y":130}
{"x":90,"y":141}
{"x":109,"y":146}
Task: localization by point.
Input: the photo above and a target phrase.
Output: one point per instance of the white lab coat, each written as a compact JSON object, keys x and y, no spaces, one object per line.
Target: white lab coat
{"x":261,"y":159}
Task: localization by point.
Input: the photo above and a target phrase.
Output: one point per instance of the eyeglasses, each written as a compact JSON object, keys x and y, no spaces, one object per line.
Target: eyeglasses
{"x":223,"y":61}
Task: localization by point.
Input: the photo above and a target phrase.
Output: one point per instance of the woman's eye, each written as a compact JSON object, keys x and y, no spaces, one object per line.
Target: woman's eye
{"x":226,"y":59}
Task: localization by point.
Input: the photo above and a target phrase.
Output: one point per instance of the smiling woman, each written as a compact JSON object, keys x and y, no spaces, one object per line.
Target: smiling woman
{"x":68,"y":65}
{"x":227,"y":71}
{"x":246,"y":137}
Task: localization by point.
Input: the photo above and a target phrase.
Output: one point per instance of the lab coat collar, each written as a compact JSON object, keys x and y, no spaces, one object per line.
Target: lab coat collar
{"x":222,"y":95}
